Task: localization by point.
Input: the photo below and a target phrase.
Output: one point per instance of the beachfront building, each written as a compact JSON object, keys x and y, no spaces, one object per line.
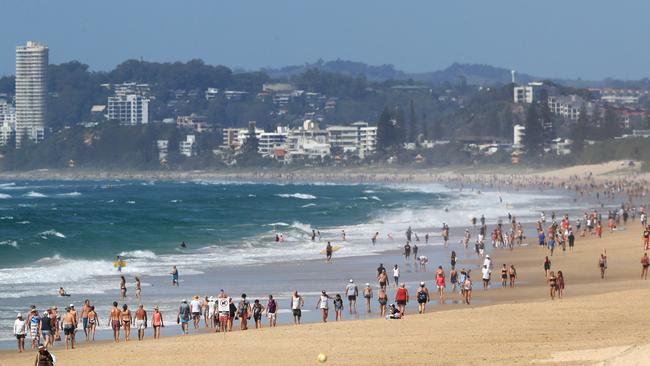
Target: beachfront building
{"x":270,"y":142}
{"x":519,"y":131}
{"x":358,"y":138}
{"x":187,"y":147}
{"x":7,"y":121}
{"x":567,"y":106}
{"x":163,"y":150}
{"x":129,"y":104}
{"x":193,"y":122}
{"x":31,"y":91}
{"x":529,"y":93}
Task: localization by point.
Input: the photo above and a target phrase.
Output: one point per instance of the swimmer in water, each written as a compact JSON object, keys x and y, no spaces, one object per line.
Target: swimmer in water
{"x":183,"y":245}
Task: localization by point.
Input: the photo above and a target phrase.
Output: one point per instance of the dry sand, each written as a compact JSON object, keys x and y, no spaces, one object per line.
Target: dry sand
{"x":598,"y":322}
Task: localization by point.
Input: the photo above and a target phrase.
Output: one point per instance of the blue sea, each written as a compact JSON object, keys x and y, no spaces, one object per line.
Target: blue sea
{"x":68,"y":233}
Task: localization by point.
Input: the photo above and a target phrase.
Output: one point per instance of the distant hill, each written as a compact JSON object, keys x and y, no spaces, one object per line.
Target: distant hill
{"x":473,"y":74}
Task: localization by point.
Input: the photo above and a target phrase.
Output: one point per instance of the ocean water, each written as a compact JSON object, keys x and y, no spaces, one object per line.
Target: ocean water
{"x":68,"y":233}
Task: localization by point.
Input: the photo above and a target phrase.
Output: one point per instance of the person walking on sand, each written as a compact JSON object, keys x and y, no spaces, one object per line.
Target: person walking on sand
{"x":195,"y":308}
{"x":367,"y":296}
{"x":258,"y":310}
{"x":402,"y":298}
{"x":20,"y":331}
{"x":602,"y":263}
{"x":126,"y":322}
{"x":272,"y":311}
{"x":174,"y":273}
{"x":93,"y":320}
{"x":512,"y":274}
{"x":85,"y":309}
{"x":547,"y":266}
{"x":552,"y":283}
{"x":338,"y":307}
{"x":114,"y":321}
{"x":467,"y":288}
{"x":157,"y":322}
{"x":297,"y":302}
{"x":243,"y":312}
{"x":68,"y":328}
{"x":382,"y":278}
{"x":352,"y":292}
{"x":123,"y":287}
{"x":645,"y":263}
{"x":486,"y":276}
{"x":407,"y":251}
{"x":382,"y":299}
{"x":423,"y":297}
{"x":323,"y":304}
{"x":396,"y":275}
{"x":183,"y":316}
{"x":140,"y":321}
{"x":440,"y":284}
{"x":560,"y":284}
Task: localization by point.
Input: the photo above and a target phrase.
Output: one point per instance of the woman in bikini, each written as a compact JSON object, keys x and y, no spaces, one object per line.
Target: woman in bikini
{"x":560,"y":284}
{"x":512,"y":273}
{"x":440,"y":283}
{"x":125,"y":317}
{"x":552,"y":283}
{"x":123,"y":287}
{"x":92,"y":323}
{"x":504,"y":276}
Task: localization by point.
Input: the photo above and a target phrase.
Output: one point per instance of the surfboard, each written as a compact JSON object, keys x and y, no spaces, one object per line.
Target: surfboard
{"x":116,"y":264}
{"x":334,"y":249}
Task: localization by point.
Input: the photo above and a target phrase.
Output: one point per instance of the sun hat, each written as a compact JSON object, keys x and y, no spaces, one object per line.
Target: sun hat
{"x":421,"y":283}
{"x":183,"y":300}
{"x":19,"y":315}
{"x":367,"y":284}
{"x":351,"y":280}
{"x":71,"y":305}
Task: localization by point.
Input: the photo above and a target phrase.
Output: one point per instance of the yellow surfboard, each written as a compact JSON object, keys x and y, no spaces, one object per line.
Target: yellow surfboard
{"x":334,"y":249}
{"x":117,"y":264}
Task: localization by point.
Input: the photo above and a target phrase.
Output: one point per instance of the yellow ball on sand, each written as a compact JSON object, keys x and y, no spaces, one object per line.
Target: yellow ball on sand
{"x":322,"y":357}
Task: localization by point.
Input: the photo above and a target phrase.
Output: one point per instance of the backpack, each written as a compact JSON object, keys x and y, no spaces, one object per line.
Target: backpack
{"x":422,"y":296}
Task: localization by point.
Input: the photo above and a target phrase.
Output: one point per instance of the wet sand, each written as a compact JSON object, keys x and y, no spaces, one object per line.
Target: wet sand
{"x":522,"y":326}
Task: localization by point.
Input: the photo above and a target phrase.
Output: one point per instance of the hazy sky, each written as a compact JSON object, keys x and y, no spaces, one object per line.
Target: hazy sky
{"x":554,"y":38}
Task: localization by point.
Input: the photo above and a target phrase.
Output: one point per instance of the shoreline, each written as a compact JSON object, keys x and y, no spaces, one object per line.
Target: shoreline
{"x":584,"y":287}
{"x":368,"y":174}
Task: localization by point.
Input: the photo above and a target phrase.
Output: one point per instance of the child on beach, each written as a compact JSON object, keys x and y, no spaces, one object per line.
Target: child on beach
{"x":338,"y":307}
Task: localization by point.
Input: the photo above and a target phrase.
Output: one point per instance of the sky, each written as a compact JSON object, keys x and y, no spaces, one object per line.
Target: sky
{"x":551,"y":38}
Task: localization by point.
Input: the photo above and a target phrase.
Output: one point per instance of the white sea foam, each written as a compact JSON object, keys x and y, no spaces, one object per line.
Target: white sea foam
{"x":277,"y":224}
{"x":24,"y":222}
{"x":252,"y":195}
{"x":308,"y":205}
{"x":131,"y":202}
{"x":4,"y":196}
{"x":69,"y":194}
{"x":6,"y":217}
{"x":49,"y":233}
{"x":302,"y":196}
{"x":138,"y":254}
{"x":6,"y":185}
{"x":32,"y":194}
{"x":10,"y":243}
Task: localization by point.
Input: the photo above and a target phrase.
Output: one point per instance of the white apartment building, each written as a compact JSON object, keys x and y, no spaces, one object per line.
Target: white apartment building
{"x":527,"y":93}
{"x":163,"y":150}
{"x":129,"y":109}
{"x":567,"y":106}
{"x":518,"y":133}
{"x":358,"y":137}
{"x":269,"y":142}
{"x":188,"y":146}
{"x":31,"y":91}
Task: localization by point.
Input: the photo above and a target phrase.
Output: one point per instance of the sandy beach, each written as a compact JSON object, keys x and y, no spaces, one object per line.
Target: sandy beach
{"x":597,"y":321}
{"x":377,"y":174}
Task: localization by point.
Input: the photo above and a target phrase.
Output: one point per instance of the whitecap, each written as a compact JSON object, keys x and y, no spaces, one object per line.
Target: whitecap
{"x":131,"y":202}
{"x":138,"y":254}
{"x":308,"y":205}
{"x":302,"y":196}
{"x":277,"y":224}
{"x":375,"y":198}
{"x":4,"y":196}
{"x":47,"y":233}
{"x":6,"y":217}
{"x":32,"y":194}
{"x":252,"y":195}
{"x":69,"y":194}
{"x":10,"y":243}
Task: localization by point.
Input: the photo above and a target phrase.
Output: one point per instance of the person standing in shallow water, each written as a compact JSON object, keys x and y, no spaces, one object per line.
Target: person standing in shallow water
{"x":328,"y":252}
{"x":174,"y":273}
